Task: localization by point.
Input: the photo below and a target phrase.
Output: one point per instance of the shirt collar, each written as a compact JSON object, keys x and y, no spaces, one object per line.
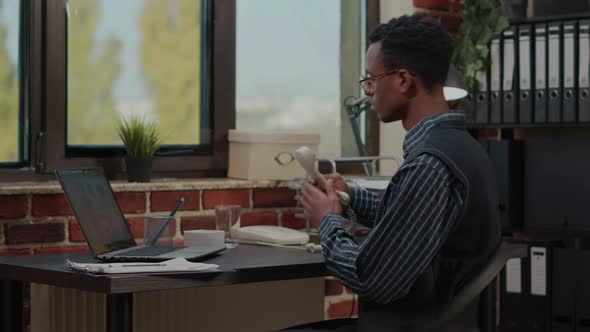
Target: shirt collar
{"x":417,"y":134}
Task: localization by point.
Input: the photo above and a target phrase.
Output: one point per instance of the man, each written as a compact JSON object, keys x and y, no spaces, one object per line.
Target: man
{"x":437,"y":223}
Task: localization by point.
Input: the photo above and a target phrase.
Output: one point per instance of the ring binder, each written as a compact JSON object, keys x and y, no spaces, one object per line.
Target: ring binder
{"x":540,"y":115}
{"x":555,"y":78}
{"x":584,"y":71}
{"x":509,"y":86}
{"x":495,"y":81}
{"x":570,"y":65}
{"x":525,"y":70}
{"x":538,"y":75}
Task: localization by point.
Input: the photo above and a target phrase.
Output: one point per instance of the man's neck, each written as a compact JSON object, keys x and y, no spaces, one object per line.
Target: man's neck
{"x":424,"y":107}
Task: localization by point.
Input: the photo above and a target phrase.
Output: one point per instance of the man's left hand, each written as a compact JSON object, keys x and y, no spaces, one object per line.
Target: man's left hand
{"x":317,"y":203}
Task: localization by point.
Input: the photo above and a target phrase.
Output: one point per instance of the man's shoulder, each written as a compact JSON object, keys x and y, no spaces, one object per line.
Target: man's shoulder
{"x":451,"y":142}
{"x":425,"y":160}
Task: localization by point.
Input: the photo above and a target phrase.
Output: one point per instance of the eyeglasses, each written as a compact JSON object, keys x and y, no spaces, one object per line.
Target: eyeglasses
{"x":367,"y":82}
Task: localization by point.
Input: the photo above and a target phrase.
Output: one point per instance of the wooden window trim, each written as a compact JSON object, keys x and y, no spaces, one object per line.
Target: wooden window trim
{"x":221,"y":101}
{"x":372,"y":124}
{"x":30,"y":90}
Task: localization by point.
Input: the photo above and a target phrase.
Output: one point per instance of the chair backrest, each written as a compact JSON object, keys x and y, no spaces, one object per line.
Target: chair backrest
{"x":505,"y":251}
{"x":437,"y":317}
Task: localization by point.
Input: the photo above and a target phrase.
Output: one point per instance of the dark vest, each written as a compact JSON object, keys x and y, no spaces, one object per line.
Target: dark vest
{"x":471,"y":242}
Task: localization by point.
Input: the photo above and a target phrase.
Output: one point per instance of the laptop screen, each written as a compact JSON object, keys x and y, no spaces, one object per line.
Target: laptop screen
{"x":98,"y":214}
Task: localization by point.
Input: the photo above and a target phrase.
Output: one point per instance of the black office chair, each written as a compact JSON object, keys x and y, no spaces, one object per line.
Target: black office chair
{"x":464,"y":311}
{"x":470,"y":309}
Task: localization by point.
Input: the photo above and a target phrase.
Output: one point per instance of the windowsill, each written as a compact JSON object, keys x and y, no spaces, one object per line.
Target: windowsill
{"x":53,"y":187}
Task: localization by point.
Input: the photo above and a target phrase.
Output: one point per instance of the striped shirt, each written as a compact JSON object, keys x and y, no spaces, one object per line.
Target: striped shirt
{"x":409,"y":224}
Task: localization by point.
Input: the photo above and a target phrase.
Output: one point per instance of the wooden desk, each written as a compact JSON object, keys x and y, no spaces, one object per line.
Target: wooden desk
{"x":244,"y":264}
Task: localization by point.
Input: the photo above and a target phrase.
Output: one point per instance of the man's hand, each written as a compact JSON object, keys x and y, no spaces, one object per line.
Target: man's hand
{"x":338,"y":183}
{"x":317,"y":203}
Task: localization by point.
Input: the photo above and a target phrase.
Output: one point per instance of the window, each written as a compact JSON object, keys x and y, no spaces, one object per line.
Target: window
{"x":156,"y":59}
{"x":135,"y":58}
{"x":297,"y":60}
{"x":13,"y":145}
{"x":96,"y":61}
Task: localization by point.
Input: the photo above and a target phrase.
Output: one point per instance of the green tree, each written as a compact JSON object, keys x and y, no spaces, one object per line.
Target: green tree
{"x":170,"y":59}
{"x":92,"y":69}
{"x":8,"y":102}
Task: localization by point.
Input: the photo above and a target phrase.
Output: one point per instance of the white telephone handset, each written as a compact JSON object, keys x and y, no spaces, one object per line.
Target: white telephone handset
{"x":306,"y":159}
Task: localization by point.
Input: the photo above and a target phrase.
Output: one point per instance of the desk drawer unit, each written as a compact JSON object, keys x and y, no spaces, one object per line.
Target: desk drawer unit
{"x":265,"y":306}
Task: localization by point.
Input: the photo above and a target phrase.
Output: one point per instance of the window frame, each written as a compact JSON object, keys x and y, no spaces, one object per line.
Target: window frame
{"x":24,"y":29}
{"x":30,"y":102}
{"x":372,"y":122}
{"x":210,"y":160}
{"x":44,"y":93}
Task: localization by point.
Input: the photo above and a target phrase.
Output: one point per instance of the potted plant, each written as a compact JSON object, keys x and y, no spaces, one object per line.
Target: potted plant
{"x":482,"y":20}
{"x":141,"y":140}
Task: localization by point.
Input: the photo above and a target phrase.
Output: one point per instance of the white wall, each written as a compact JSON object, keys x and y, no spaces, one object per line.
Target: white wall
{"x":391,"y":135}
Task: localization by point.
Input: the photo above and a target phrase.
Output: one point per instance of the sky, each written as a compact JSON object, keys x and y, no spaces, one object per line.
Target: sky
{"x":291,"y":46}
{"x":9,"y":17}
{"x":287,"y":61}
{"x":287,"y":57}
{"x":286,"y":47}
{"x":120,"y":18}
{"x":283,"y":46}
{"x":123,"y":20}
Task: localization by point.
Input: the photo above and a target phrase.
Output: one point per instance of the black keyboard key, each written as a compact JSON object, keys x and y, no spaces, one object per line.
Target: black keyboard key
{"x":146,"y":251}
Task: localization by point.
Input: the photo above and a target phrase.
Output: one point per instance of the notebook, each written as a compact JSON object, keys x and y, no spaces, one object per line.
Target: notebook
{"x":100,"y":218}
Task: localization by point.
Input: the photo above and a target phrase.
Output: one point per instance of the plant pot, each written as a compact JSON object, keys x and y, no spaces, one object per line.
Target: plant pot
{"x":139,"y":169}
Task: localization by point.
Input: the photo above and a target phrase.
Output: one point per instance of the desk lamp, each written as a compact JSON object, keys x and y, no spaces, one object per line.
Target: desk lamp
{"x":454,"y":88}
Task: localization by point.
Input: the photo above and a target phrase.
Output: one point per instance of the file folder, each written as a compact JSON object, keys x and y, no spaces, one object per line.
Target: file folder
{"x":540,"y":292}
{"x":584,"y":71}
{"x":513,"y":297}
{"x":570,"y":101}
{"x":482,"y":99}
{"x":583,"y":292}
{"x":555,"y":77}
{"x":540,"y":114}
{"x":525,"y":69}
{"x":509,"y":100}
{"x":495,"y":81}
{"x":560,"y":203}
{"x":506,"y":157}
{"x":468,"y":107}
{"x":539,"y":272}
{"x":565,"y":269}
{"x":521,"y":309}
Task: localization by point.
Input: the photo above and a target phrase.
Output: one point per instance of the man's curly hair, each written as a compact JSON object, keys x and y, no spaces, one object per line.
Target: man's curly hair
{"x":416,"y":43}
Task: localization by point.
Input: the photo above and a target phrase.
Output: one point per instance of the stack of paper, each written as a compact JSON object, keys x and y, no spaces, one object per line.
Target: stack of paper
{"x":174,"y":265}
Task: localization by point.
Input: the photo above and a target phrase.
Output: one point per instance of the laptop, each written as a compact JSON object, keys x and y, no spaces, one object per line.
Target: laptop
{"x":100,"y":218}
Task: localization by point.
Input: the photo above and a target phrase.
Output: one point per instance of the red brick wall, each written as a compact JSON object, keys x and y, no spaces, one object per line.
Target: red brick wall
{"x":447,"y":11}
{"x":45,"y":223}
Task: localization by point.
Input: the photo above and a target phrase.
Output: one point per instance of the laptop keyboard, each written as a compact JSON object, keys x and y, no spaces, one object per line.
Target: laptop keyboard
{"x":146,"y":251}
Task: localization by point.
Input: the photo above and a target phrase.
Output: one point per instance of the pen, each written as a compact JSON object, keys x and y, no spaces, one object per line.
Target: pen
{"x":152,"y":240}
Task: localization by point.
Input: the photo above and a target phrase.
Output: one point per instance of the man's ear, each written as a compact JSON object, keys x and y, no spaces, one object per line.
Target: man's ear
{"x":407,"y":83}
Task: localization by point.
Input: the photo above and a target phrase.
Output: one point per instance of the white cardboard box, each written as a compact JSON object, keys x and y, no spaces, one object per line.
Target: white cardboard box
{"x":258,"y":156}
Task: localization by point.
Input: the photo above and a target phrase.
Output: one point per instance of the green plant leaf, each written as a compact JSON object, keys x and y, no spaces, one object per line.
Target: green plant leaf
{"x":140,"y":137}
{"x":482,"y":20}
